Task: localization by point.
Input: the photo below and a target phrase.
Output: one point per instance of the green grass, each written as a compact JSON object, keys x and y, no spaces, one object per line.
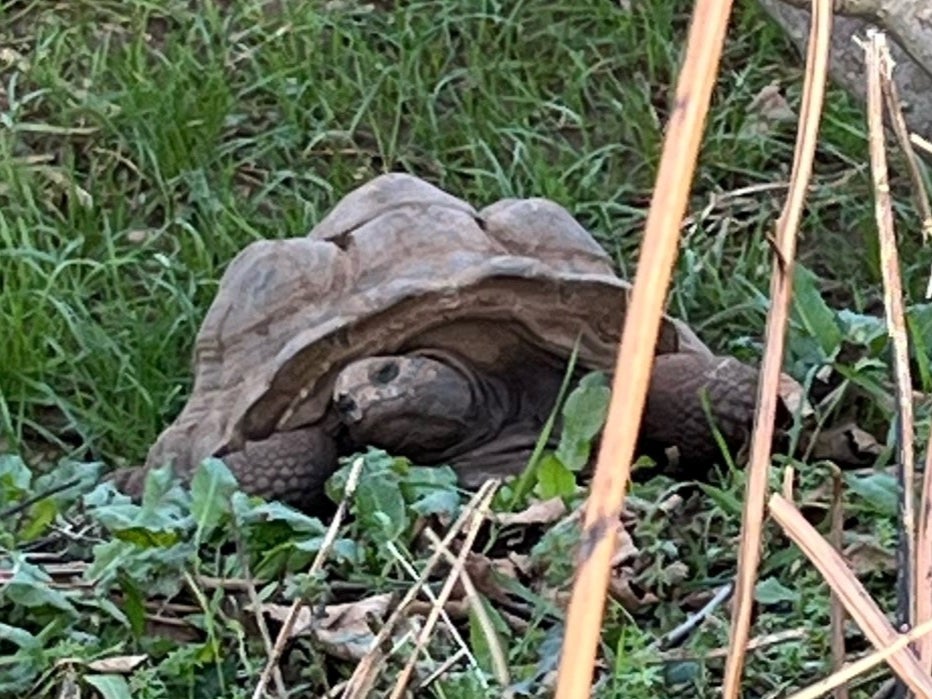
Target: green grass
{"x":143,"y":144}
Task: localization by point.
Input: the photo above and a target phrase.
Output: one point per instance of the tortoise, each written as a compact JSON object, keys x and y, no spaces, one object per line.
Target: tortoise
{"x":409,"y":321}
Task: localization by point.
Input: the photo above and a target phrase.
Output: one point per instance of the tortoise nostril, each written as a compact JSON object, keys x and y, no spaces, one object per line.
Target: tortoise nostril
{"x":345,"y":404}
{"x":385,"y":373}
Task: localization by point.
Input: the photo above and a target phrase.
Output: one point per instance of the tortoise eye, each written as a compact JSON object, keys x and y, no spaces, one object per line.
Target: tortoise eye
{"x":385,"y":373}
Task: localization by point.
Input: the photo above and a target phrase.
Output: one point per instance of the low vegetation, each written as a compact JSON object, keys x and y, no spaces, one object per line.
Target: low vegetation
{"x":144,"y":143}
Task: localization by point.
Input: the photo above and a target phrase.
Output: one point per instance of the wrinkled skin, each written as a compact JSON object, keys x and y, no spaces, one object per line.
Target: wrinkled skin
{"x":418,"y":406}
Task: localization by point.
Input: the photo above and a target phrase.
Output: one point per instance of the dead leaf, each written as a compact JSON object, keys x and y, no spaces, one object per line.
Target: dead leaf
{"x":846,"y":444}
{"x":622,"y":588}
{"x":867,"y":556}
{"x":625,"y":550}
{"x":793,"y":396}
{"x":483,"y":572}
{"x":122,"y":664}
{"x":768,"y":108}
{"x":543,"y":512}
{"x":343,"y":630}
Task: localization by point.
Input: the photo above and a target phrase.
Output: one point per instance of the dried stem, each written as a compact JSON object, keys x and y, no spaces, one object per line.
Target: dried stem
{"x":638,"y":340}
{"x":877,"y":66}
{"x":360,"y":683}
{"x":858,"y":602}
{"x":780,"y":291}
{"x":284,"y":634}
{"x":837,"y":610}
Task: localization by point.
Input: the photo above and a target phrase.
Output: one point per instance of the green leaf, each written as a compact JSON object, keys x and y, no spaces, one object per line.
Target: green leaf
{"x":919,"y":322}
{"x":880,"y":490}
{"x":583,"y":418}
{"x":811,"y":312}
{"x":15,"y":478}
{"x":727,"y":503}
{"x":41,"y":515}
{"x":380,"y":507}
{"x":211,"y":488}
{"x":19,"y":637}
{"x":437,"y":502}
{"x":479,"y":641}
{"x":110,"y":686}
{"x":772,"y":591}
{"x":554,"y":479}
{"x":30,"y":586}
{"x":254,"y":514}
{"x":431,"y":490}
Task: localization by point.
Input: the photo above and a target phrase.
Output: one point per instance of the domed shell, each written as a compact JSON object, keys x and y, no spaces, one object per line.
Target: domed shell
{"x":395,"y":260}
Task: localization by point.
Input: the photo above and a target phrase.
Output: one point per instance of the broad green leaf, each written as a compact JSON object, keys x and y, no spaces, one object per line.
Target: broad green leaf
{"x":437,"y":501}
{"x":15,"y":478}
{"x":19,"y":637}
{"x":554,"y":479}
{"x":583,"y":417}
{"x":772,"y":591}
{"x":431,"y":490}
{"x":253,"y":514}
{"x":880,"y":490}
{"x":862,"y":329}
{"x":211,"y":488}
{"x":380,"y":507}
{"x":110,"y":686}
{"x":41,"y":515}
{"x":812,"y":313}
{"x":30,"y":586}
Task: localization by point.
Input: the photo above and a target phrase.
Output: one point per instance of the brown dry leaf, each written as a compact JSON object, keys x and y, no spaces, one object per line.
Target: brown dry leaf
{"x":625,"y":550}
{"x":846,"y":444}
{"x":793,"y":396}
{"x":543,"y":512}
{"x":483,"y":571}
{"x":867,"y":556}
{"x":768,"y":108}
{"x":122,"y":664}
{"x":621,"y":587}
{"x":342,"y":629}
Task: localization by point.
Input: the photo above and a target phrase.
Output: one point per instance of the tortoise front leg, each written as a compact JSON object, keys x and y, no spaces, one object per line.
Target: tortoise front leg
{"x":287,"y":466}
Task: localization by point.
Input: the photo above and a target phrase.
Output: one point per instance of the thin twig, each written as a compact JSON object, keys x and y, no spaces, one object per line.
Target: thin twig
{"x":781,"y":286}
{"x":256,"y":605}
{"x":638,"y":341}
{"x":499,"y":657}
{"x":363,"y":676}
{"x":877,"y":66}
{"x":763,"y":641}
{"x":837,"y":609}
{"x":424,"y":635}
{"x":892,"y":100}
{"x":284,"y":633}
{"x":451,"y":627}
{"x":858,"y":602}
{"x":868,"y":662}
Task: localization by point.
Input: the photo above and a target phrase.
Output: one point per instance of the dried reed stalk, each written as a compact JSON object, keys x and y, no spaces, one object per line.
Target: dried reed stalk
{"x":877,"y":66}
{"x":639,"y":338}
{"x":780,"y":291}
